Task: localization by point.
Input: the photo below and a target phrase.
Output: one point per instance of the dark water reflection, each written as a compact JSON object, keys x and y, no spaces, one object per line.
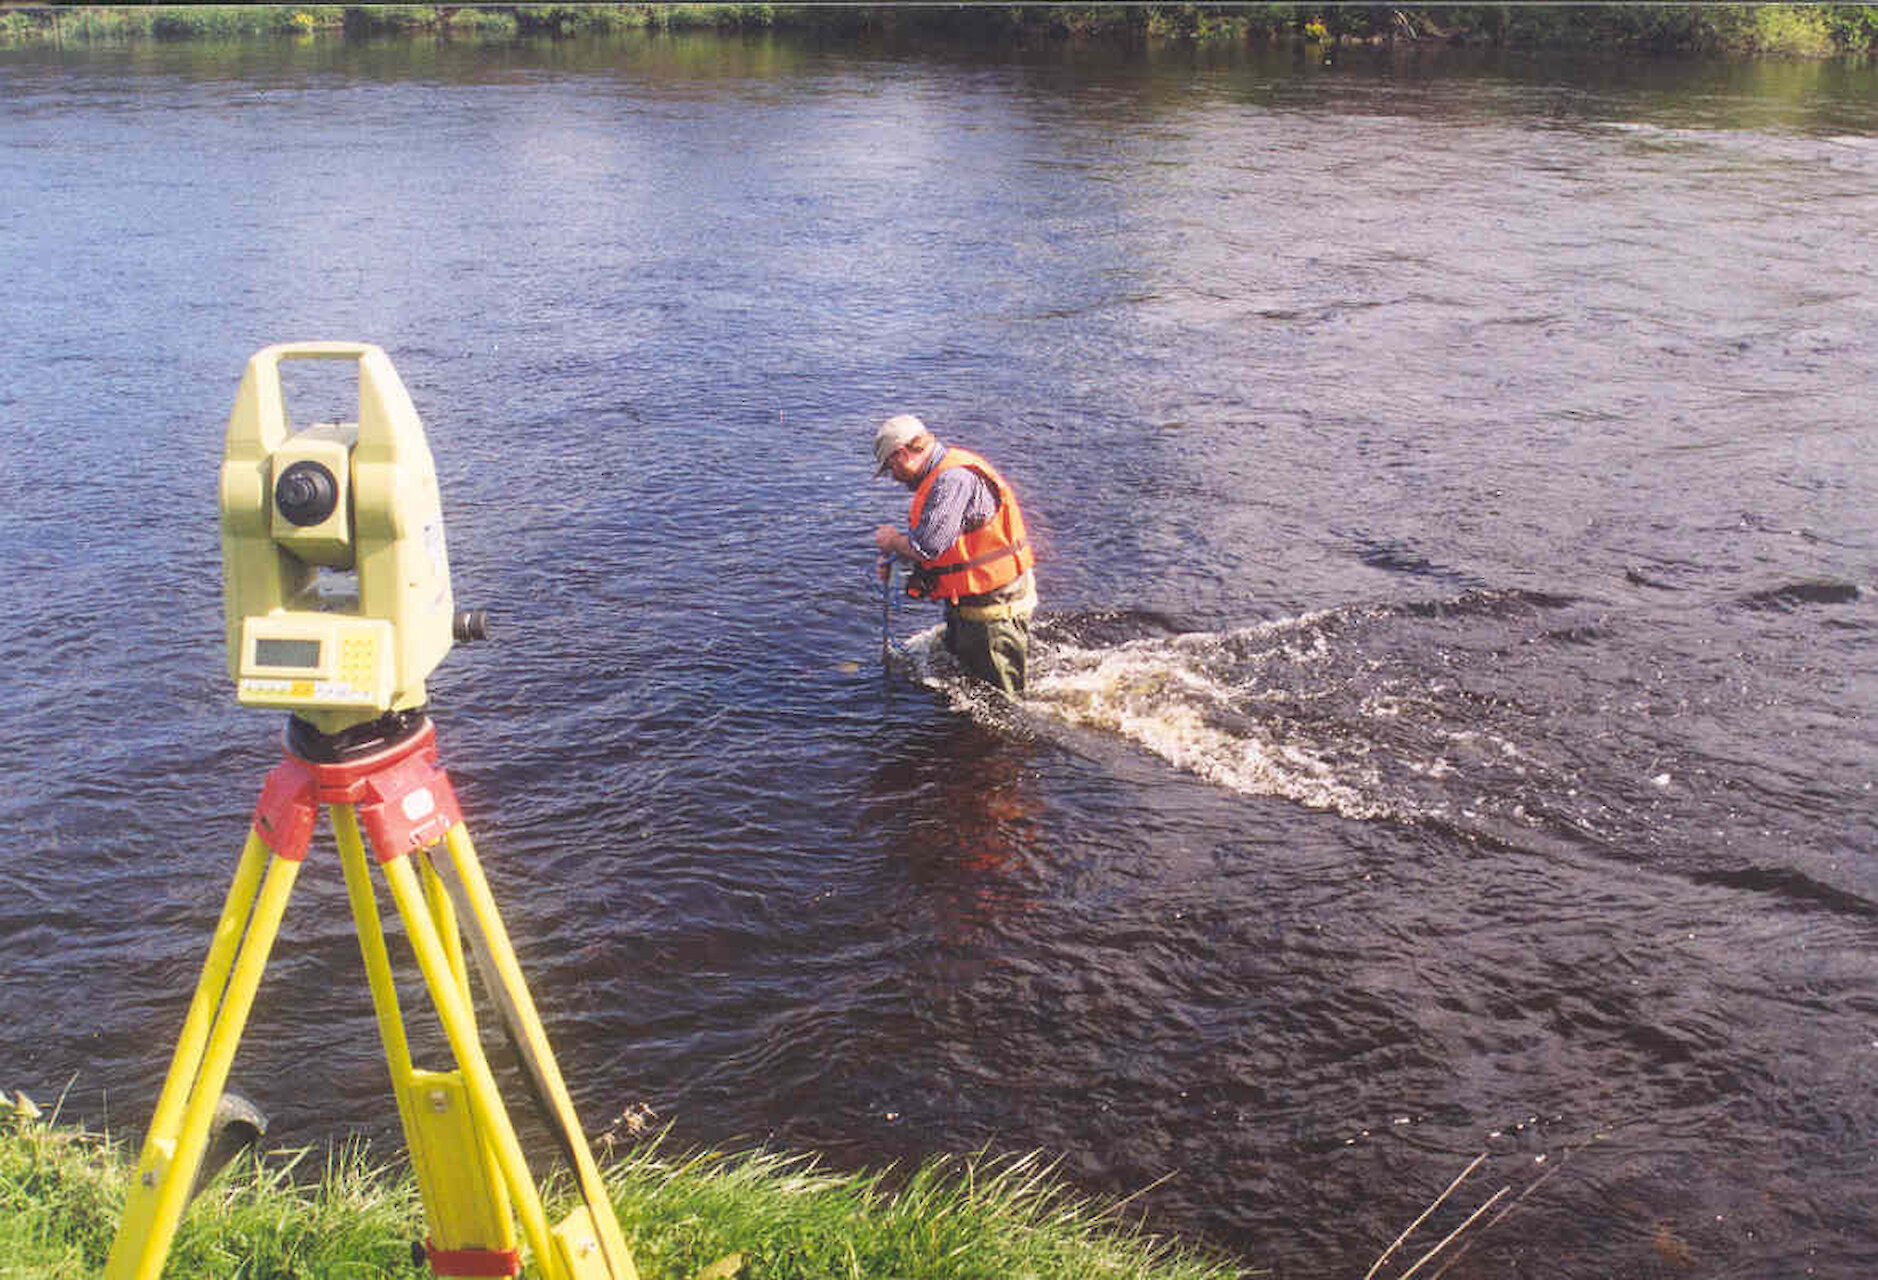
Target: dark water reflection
{"x":1452,"y":719}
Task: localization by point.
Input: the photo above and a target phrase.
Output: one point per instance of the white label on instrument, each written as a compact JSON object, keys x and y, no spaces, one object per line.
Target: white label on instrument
{"x":418,"y":804}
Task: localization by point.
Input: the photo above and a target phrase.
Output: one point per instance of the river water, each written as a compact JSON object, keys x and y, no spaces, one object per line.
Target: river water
{"x":1452,"y":723}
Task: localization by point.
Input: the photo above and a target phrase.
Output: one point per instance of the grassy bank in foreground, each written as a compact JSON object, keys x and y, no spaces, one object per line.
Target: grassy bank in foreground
{"x":1777,"y":30}
{"x":751,"y":1216}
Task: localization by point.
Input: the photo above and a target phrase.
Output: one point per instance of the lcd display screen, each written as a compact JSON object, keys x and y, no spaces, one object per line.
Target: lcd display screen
{"x":302,"y":654}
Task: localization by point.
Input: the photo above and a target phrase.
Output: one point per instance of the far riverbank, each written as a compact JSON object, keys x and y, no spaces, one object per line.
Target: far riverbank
{"x":1737,"y":30}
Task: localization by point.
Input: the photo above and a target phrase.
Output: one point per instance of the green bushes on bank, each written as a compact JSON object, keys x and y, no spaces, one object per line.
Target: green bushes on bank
{"x":279,"y":1216}
{"x":1786,"y":30}
{"x":1789,"y":30}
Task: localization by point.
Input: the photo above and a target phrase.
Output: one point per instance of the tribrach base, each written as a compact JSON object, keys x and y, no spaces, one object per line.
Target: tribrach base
{"x":471,"y":1172}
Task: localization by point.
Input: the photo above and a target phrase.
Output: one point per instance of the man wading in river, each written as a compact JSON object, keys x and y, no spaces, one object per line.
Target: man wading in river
{"x":965,"y":536}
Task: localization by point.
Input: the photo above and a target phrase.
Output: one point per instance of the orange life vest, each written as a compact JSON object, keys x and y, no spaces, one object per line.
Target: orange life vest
{"x":993,"y":555}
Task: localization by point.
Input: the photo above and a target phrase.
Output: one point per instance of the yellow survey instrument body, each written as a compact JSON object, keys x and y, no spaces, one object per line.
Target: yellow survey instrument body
{"x":338,"y":606}
{"x":335,"y":578}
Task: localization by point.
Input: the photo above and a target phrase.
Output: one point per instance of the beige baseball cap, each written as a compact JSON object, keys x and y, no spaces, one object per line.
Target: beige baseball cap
{"x":892,"y":435}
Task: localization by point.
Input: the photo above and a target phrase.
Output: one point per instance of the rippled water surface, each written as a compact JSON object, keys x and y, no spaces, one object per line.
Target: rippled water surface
{"x":1451,"y":725}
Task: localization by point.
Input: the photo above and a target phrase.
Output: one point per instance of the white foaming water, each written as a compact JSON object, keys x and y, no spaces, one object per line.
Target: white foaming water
{"x":1193,"y":699}
{"x":1176,"y":698}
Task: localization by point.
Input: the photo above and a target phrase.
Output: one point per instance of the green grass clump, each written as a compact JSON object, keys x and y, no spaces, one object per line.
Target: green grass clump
{"x":754,"y":1216}
{"x":980,"y":1218}
{"x":357,"y":1220}
{"x":60,"y":1192}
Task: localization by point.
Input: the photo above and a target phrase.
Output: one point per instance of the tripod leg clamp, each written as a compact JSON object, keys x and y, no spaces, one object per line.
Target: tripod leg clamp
{"x":408,"y":806}
{"x":288,"y":809}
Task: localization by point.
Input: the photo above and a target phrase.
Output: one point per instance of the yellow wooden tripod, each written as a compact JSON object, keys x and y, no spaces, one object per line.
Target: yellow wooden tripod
{"x":470,"y":1168}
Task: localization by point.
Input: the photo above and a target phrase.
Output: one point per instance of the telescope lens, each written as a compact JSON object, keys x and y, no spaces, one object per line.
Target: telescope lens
{"x":306,"y":493}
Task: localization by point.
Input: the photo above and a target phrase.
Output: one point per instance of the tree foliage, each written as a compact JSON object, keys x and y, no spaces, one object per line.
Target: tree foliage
{"x":1796,"y":30}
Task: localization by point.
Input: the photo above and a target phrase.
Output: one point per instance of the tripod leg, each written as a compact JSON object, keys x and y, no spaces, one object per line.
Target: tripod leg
{"x":221,"y":957}
{"x":465,"y":1198}
{"x":224,"y":995}
{"x":408,"y":806}
{"x":372,"y":950}
{"x":443,"y":911}
{"x":459,"y":1026}
{"x":462,"y":875}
